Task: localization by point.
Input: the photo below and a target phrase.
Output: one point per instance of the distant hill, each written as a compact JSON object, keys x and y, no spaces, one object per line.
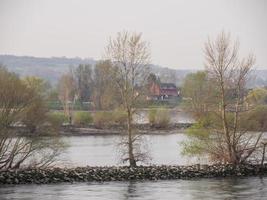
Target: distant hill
{"x":48,"y":68}
{"x":52,"y":68}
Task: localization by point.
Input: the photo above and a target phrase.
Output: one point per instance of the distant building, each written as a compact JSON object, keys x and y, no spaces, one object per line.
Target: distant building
{"x":161,"y":91}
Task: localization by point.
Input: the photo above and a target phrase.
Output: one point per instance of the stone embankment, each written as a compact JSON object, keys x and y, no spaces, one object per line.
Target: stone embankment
{"x":86,"y":174}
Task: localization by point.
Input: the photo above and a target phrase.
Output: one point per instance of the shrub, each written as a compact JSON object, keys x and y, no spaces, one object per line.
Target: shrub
{"x":119,"y":117}
{"x":82,"y":118}
{"x":162,"y":118}
{"x":159,"y":118}
{"x":152,"y":116}
{"x":102,"y":119}
{"x":56,"y":119}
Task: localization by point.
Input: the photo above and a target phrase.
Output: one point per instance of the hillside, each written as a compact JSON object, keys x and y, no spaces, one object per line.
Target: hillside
{"x":48,"y":68}
{"x":52,"y":68}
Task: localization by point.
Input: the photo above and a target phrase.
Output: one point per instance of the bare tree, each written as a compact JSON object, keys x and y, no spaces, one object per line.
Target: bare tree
{"x":230,"y":75}
{"x":16,"y":99}
{"x":130,"y":58}
{"x":66,"y":90}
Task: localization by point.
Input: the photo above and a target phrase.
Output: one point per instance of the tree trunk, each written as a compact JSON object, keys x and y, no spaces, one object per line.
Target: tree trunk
{"x":225,"y":124}
{"x":130,"y":141}
{"x":263,"y":154}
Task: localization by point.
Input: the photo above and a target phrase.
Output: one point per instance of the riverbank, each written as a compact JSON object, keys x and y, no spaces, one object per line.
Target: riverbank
{"x":87,"y":174}
{"x":115,"y":129}
{"x":118,"y":129}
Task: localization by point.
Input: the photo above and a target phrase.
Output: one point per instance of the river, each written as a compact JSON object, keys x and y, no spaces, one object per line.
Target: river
{"x":164,"y":149}
{"x":103,"y":150}
{"x":228,"y":188}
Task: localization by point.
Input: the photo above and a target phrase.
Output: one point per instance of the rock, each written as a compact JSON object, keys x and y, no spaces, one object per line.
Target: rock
{"x":8,"y":181}
{"x":82,"y":174}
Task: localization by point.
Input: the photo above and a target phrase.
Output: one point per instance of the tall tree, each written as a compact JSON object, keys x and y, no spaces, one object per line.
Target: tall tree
{"x":152,"y":80}
{"x":199,"y":93}
{"x":220,"y":133}
{"x":36,"y":113}
{"x":105,"y":93}
{"x":229,"y":72}
{"x":130,"y":58}
{"x":66,"y":92}
{"x":84,"y":80}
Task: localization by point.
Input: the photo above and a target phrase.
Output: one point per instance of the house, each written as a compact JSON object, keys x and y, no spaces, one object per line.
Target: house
{"x":161,"y":91}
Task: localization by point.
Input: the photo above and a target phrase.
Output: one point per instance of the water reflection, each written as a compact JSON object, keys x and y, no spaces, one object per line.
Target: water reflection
{"x":227,"y":188}
{"x":131,"y":191}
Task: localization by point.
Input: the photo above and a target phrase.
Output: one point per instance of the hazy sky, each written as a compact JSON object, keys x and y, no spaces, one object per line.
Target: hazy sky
{"x":175,"y":29}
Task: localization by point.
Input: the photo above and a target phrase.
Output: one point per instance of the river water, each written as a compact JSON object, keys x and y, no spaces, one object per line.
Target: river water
{"x":103,"y":150}
{"x":228,"y":188}
{"x":164,"y":149}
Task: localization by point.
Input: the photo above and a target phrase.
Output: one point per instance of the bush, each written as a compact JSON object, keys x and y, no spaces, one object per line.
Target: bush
{"x":56,"y":119}
{"x":119,"y":117}
{"x":82,"y":118}
{"x":102,"y":119}
{"x":159,"y":118}
{"x":163,"y":118}
{"x":152,"y":116}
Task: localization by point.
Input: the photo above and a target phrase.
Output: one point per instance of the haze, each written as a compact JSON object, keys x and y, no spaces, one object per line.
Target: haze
{"x":175,"y":29}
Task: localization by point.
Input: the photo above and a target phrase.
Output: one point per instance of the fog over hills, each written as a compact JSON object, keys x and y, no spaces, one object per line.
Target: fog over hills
{"x":48,"y":68}
{"x":52,"y":68}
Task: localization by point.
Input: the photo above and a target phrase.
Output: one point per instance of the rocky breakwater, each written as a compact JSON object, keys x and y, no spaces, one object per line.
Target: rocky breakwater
{"x":86,"y":174}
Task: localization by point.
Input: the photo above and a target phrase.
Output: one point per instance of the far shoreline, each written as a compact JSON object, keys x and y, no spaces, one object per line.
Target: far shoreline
{"x":115,"y":129}
{"x":144,"y":129}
